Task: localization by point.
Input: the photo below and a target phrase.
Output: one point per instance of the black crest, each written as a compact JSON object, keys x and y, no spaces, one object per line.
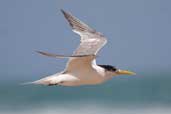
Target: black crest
{"x":108,"y":67}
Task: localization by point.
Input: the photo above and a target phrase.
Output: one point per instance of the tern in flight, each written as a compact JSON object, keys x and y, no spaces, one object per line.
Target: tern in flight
{"x":81,"y":68}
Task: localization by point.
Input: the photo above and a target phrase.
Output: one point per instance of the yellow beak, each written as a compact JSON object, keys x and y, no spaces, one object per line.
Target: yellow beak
{"x":124,"y":72}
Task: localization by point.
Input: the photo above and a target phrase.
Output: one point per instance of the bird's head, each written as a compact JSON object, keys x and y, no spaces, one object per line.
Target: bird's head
{"x":113,"y":71}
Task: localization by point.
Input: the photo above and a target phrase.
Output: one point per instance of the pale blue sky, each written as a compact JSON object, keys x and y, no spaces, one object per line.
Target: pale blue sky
{"x":138,"y":32}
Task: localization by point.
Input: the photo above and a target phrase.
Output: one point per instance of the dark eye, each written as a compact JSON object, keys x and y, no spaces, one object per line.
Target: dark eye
{"x":114,"y":68}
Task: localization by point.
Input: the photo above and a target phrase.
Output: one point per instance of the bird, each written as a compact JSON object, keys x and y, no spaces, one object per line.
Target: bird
{"x":81,"y":68}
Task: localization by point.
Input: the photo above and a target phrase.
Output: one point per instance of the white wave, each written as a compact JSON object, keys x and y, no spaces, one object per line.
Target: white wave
{"x":91,"y":109}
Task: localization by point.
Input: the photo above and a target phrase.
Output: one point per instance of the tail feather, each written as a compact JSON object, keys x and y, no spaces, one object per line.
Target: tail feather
{"x":37,"y":82}
{"x":50,"y":80}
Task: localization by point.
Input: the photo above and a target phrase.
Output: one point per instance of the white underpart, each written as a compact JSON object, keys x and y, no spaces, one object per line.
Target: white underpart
{"x":82,"y":74}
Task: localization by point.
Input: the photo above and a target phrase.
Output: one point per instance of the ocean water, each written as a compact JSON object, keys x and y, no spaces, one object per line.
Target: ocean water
{"x":146,"y":94}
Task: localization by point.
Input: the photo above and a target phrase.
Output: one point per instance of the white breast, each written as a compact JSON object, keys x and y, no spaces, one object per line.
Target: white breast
{"x":85,"y":76}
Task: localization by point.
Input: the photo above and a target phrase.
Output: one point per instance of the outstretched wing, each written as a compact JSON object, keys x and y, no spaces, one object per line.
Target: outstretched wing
{"x":91,"y":41}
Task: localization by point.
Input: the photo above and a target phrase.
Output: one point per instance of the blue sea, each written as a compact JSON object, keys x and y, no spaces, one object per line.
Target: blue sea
{"x":149,"y":93}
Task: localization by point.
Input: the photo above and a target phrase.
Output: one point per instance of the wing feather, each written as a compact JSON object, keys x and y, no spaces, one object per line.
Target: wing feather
{"x":91,"y":42}
{"x":75,"y":23}
{"x":60,"y":56}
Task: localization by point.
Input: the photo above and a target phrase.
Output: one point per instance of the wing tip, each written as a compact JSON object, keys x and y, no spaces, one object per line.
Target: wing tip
{"x":66,"y":15}
{"x":46,"y":54}
{"x":62,"y":11}
{"x":40,"y":52}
